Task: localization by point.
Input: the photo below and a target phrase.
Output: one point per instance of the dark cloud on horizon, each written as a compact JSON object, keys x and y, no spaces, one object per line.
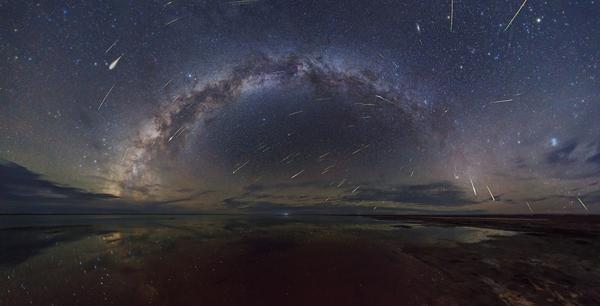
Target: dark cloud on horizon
{"x":442,"y":193}
{"x":21,"y":186}
{"x":23,"y":190}
{"x":436,"y":193}
{"x":253,"y":206}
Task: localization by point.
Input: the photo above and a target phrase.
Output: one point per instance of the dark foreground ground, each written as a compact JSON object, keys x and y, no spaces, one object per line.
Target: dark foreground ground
{"x":299,"y":260}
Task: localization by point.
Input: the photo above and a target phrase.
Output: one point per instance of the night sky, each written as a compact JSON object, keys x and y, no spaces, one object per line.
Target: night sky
{"x":300,"y":106}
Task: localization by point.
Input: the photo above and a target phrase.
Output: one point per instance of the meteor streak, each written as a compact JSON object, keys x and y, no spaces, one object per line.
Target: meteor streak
{"x":114,"y":63}
{"x":167,"y":83}
{"x":451,"y":14}
{"x":515,"y":16}
{"x":323,"y":155}
{"x":240,"y":167}
{"x":242,"y":2}
{"x":111,"y":46}
{"x":501,"y":101}
{"x":473,"y":185}
{"x":327,"y":169}
{"x":172,"y":21}
{"x":491,"y":194}
{"x":529,"y":206}
{"x":106,"y":96}
{"x":176,"y":133}
{"x":582,"y":204}
{"x":295,"y":175}
{"x":360,"y":149}
{"x":384,"y":99}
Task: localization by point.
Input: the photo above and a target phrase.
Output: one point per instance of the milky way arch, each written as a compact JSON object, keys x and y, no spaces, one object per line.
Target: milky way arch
{"x":168,"y":129}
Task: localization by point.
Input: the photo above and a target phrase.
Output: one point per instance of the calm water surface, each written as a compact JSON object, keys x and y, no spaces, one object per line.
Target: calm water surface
{"x":212,"y":259}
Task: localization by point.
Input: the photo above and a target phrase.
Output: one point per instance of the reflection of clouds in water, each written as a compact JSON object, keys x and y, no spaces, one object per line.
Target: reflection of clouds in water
{"x":434,"y":235}
{"x":477,"y":234}
{"x":107,"y":255}
{"x":112,"y":237}
{"x":123,"y":242}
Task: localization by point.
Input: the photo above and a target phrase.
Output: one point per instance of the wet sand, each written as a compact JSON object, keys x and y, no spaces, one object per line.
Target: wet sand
{"x":303,"y":260}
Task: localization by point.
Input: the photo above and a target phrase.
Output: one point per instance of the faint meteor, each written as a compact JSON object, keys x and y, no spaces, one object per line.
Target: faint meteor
{"x":263,"y":147}
{"x":451,"y":14}
{"x":582,"y":204}
{"x":176,"y":134}
{"x":167,"y":4}
{"x":114,"y":63}
{"x":491,"y":194}
{"x":515,"y":16}
{"x":295,"y":113}
{"x":286,"y":158}
{"x":419,"y":32}
{"x":242,"y":2}
{"x":384,"y":99}
{"x":106,"y":96}
{"x":295,"y":175}
{"x":341,"y":183}
{"x":355,"y":189}
{"x":365,"y":104}
{"x":240,"y":167}
{"x":501,"y":101}
{"x":173,"y":21}
{"x":323,"y":155}
{"x":111,"y":46}
{"x":360,"y":149}
{"x":167,"y":83}
{"x":529,"y":206}
{"x":327,"y":169}
{"x":473,"y":185}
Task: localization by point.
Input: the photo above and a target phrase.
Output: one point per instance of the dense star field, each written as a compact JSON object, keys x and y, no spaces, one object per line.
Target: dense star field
{"x":453,"y":106}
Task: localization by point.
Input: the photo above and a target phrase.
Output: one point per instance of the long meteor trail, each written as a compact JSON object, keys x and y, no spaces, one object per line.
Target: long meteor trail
{"x":515,"y":16}
{"x":106,"y":96}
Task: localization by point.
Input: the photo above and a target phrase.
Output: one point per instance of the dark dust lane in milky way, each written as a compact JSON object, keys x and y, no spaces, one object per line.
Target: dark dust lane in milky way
{"x":277,"y":152}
